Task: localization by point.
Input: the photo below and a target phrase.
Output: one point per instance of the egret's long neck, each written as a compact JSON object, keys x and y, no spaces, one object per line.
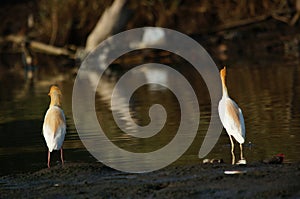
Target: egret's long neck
{"x":224,"y":88}
{"x":55,"y":100}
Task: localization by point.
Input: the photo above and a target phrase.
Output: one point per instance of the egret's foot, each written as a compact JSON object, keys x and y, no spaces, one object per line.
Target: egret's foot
{"x":242,"y":162}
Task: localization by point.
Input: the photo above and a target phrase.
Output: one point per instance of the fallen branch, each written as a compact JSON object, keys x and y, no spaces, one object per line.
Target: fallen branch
{"x":39,"y":46}
{"x":244,"y":22}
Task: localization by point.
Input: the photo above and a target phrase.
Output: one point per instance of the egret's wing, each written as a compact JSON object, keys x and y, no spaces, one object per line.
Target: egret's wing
{"x":221,"y":110}
{"x":54,"y":128}
{"x":242,"y":123}
{"x":232,"y":120}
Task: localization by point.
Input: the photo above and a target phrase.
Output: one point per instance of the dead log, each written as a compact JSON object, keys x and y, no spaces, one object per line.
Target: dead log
{"x":39,"y":46}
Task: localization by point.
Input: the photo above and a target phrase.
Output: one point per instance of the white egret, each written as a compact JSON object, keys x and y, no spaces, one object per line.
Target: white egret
{"x":232,"y":119}
{"x":54,"y":127}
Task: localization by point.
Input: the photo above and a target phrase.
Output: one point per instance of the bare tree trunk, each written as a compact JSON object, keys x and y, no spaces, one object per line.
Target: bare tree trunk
{"x":54,"y":20}
{"x":297,"y":15}
{"x":109,"y":21}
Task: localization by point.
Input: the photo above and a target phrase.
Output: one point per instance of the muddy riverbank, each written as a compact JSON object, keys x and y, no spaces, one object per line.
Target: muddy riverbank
{"x":93,"y":180}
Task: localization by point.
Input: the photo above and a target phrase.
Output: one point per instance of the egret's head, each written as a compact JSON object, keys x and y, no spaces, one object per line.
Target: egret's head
{"x":223,"y":73}
{"x":54,"y":90}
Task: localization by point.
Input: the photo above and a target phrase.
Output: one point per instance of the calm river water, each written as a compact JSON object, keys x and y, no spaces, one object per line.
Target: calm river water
{"x":268,"y":93}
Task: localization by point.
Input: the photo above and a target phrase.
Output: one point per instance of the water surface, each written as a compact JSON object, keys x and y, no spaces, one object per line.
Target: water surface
{"x":267,"y":92}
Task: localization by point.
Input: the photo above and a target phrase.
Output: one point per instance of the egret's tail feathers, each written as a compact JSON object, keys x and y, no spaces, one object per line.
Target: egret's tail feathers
{"x":54,"y":140}
{"x":239,"y":138}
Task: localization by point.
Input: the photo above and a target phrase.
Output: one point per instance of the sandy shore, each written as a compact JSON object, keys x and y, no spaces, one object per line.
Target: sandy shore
{"x":86,"y":180}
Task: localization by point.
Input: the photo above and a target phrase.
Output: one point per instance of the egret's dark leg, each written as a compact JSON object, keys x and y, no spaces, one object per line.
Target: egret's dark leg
{"x":232,"y":150}
{"x":62,"y":156}
{"x":241,"y":148}
{"x":48,"y":159}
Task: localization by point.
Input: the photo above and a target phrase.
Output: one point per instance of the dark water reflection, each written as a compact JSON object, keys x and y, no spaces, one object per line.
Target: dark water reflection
{"x":267,"y":93}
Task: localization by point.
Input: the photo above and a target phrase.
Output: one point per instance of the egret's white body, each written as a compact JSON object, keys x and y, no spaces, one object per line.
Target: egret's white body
{"x":231,"y":117}
{"x":54,"y":136}
{"x":54,"y":127}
